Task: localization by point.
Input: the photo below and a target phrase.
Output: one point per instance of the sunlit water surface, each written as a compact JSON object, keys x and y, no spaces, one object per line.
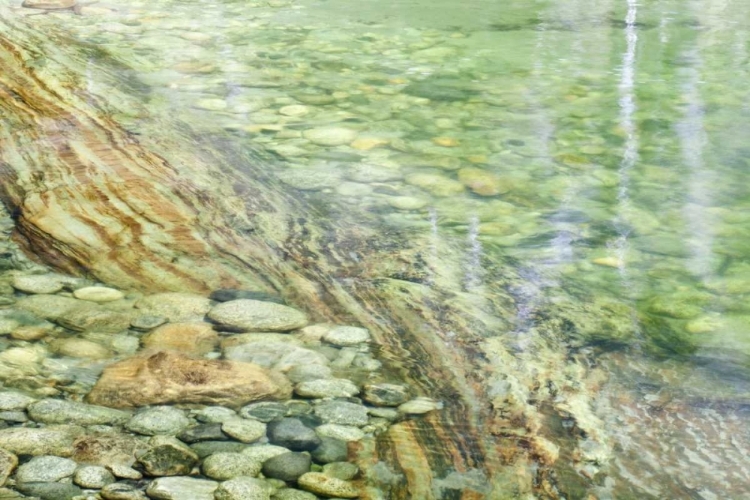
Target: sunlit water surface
{"x":600,"y":146}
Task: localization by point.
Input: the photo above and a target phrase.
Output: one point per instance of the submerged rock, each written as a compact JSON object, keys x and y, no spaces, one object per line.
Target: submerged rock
{"x":98,"y":294}
{"x":58,"y":411}
{"x":224,"y":466}
{"x":8,"y":463}
{"x":51,"y":440}
{"x":167,"y":377}
{"x":293,"y":434}
{"x":320,"y":484}
{"x":175,"y":306}
{"x":244,"y":488}
{"x":248,"y":315}
{"x":181,"y":488}
{"x":190,"y":338}
{"x":287,"y":466}
{"x":45,"y":469}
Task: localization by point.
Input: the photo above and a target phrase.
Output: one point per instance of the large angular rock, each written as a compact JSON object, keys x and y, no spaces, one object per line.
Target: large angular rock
{"x":247,"y":315}
{"x":169,"y":377}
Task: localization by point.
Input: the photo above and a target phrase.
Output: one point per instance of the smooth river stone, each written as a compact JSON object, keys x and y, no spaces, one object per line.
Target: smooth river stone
{"x":169,"y":377}
{"x":330,"y":136}
{"x":98,"y":294}
{"x":247,"y":315}
{"x":320,"y":484}
{"x":38,"y":283}
{"x":181,"y":488}
{"x":175,"y":306}
{"x":49,"y":4}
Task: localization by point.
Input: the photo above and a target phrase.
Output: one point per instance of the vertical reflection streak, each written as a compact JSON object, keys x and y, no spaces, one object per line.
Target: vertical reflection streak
{"x":630,"y":156}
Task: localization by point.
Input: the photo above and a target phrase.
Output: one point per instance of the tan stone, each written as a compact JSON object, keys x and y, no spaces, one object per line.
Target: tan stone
{"x":191,"y":338}
{"x":80,"y":348}
{"x":49,"y":4}
{"x":31,"y":332}
{"x":169,"y":377}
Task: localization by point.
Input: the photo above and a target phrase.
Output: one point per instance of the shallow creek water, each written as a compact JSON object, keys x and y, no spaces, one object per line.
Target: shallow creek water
{"x":598,"y":148}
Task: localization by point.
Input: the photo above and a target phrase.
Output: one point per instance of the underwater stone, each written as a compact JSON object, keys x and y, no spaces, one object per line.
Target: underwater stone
{"x":98,"y":294}
{"x":58,"y":411}
{"x":93,"y":476}
{"x":244,"y":430}
{"x":330,"y":136}
{"x":244,"y":488}
{"x":247,"y":315}
{"x":181,"y":488}
{"x":168,"y":377}
{"x":158,"y":420}
{"x":45,"y":469}
{"x":287,"y":466}
{"x":320,"y":484}
{"x":293,"y":434}
{"x":327,"y":388}
{"x":223,"y":466}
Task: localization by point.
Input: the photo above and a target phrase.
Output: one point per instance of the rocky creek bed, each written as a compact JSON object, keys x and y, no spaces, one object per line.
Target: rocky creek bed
{"x":124,"y":396}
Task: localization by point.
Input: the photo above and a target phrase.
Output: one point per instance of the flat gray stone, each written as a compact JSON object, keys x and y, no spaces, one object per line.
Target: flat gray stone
{"x":244,"y":488}
{"x":344,"y":336}
{"x":244,"y":430}
{"x":122,"y":491}
{"x":276,"y":355}
{"x":59,"y":411}
{"x":215,"y":414}
{"x":223,"y":466}
{"x":175,"y":306}
{"x":293,"y":434}
{"x":93,"y":476}
{"x":248,"y":315}
{"x":342,"y":412}
{"x":264,"y":411}
{"x":45,"y":469}
{"x":181,"y":488}
{"x":13,"y":401}
{"x":165,"y":420}
{"x":292,"y":494}
{"x":287,"y":466}
{"x":206,"y":448}
{"x":53,"y":440}
{"x":38,"y":283}
{"x":327,"y":388}
{"x":330,"y":450}
{"x":50,"y":491}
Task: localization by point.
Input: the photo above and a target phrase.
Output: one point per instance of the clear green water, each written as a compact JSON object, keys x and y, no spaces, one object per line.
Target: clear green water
{"x":602,"y":147}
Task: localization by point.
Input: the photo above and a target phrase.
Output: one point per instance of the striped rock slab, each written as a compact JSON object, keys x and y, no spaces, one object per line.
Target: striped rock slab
{"x":169,"y":210}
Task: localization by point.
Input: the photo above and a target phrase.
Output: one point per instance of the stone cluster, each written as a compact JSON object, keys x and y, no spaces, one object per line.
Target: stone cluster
{"x":117,"y":396}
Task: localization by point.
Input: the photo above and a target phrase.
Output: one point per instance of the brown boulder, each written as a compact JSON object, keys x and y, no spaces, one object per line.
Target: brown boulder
{"x":170,"y":377}
{"x":190,"y":338}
